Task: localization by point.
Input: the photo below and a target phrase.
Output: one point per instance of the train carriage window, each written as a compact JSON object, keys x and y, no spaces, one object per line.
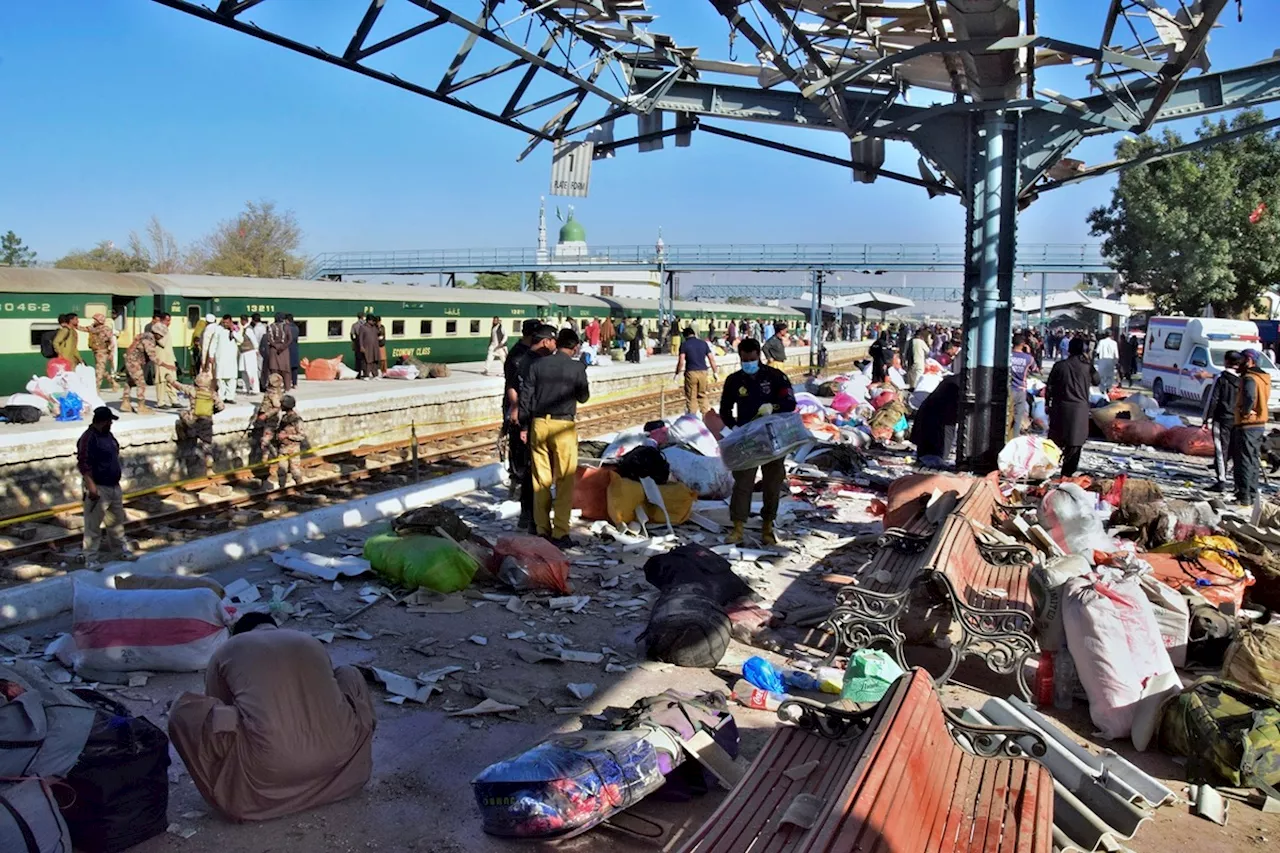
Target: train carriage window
{"x":397,"y":327}
{"x":517,"y":326}
{"x":475,"y":327}
{"x":302,"y":328}
{"x":335,"y":328}
{"x":193,"y":315}
{"x":92,"y":308}
{"x":424,"y":327}
{"x":38,"y":330}
{"x":451,"y":327}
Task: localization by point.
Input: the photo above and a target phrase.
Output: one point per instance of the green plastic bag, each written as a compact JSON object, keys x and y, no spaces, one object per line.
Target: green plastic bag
{"x":420,"y":561}
{"x":870,"y":674}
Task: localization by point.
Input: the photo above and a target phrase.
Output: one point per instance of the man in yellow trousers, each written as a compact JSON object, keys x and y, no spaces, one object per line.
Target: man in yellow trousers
{"x":549,"y":400}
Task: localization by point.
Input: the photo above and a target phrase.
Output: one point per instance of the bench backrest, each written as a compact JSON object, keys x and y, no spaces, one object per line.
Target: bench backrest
{"x":979,"y":503}
{"x":977,"y":582}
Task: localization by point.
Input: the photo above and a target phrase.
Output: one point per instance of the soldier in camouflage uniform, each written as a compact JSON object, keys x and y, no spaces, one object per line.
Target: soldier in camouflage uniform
{"x":101,"y":340}
{"x":142,"y":350}
{"x":289,"y":438}
{"x":262,"y":425}
{"x":195,"y":424}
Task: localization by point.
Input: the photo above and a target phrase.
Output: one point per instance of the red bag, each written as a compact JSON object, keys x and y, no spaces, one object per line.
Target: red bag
{"x":883,"y":399}
{"x":1135,"y":432}
{"x":56,"y":366}
{"x":321,"y":369}
{"x":1190,"y":440}
{"x":544,"y":563}
{"x":591,"y":494}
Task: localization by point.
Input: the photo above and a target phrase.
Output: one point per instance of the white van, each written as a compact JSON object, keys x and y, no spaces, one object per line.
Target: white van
{"x":1183,"y":355}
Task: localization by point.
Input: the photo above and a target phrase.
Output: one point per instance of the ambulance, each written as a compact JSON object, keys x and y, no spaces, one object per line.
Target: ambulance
{"x":1183,"y":355}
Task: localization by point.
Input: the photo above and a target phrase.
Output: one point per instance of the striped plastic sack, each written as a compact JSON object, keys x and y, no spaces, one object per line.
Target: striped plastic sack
{"x":166,"y":630}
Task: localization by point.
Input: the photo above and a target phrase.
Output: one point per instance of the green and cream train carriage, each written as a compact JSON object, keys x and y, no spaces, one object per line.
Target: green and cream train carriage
{"x":430,"y":323}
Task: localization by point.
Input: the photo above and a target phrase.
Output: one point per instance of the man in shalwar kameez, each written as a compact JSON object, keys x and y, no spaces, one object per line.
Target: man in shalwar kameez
{"x":280,"y":730}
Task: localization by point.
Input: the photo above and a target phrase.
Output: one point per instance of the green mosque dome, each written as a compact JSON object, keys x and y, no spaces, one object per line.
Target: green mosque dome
{"x":572,"y":231}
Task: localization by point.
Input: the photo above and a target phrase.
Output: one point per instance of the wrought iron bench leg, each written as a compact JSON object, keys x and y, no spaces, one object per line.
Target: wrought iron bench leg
{"x":1002,"y":638}
{"x":863,"y":619}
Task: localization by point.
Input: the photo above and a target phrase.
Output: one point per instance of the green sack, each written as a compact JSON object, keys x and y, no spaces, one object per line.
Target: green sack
{"x":420,"y":561}
{"x":1229,"y":735}
{"x":870,"y":674}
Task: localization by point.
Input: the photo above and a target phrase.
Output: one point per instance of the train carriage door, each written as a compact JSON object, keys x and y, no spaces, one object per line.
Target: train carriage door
{"x":196,"y":310}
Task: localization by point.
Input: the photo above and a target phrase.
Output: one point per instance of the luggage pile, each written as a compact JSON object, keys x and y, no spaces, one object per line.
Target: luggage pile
{"x":76,"y":769}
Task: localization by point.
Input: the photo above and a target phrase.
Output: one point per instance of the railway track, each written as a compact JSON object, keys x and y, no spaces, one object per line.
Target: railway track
{"x":163,"y":517}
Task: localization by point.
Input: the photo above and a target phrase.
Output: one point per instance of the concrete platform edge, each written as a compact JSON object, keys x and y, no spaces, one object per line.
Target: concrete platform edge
{"x":44,"y":599}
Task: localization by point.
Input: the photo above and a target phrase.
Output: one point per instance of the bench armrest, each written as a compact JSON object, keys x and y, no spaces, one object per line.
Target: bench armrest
{"x":904,"y":541}
{"x":992,"y":741}
{"x":823,"y":720}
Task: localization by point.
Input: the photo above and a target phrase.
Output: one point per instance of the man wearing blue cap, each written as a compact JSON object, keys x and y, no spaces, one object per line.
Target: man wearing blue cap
{"x":1250,"y":426}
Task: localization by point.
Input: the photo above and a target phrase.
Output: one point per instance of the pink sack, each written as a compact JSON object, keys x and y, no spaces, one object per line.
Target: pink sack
{"x":844,"y":403}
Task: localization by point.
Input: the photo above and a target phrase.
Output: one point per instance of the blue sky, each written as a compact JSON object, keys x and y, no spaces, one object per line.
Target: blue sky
{"x":120,"y":109}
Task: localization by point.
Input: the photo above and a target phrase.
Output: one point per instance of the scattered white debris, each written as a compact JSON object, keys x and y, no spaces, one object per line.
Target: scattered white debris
{"x":574,"y":603}
{"x":571,"y":656}
{"x":479,"y":639}
{"x":488,"y":706}
{"x":582,"y":690}
{"x":318,"y":565}
{"x":241,"y":591}
{"x":399,"y":685}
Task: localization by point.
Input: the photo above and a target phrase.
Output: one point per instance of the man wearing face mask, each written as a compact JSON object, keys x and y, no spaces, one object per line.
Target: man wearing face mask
{"x":754,"y":390}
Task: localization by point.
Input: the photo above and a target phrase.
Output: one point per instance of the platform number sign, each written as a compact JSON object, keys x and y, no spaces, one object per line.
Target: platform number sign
{"x":571,"y":168}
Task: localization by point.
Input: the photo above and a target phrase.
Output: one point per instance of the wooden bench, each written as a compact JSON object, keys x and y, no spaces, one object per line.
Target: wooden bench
{"x":890,"y":779}
{"x":990,"y":599}
{"x":869,"y":612}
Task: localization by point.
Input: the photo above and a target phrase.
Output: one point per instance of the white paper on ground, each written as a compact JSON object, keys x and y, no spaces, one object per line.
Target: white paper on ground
{"x":318,"y":565}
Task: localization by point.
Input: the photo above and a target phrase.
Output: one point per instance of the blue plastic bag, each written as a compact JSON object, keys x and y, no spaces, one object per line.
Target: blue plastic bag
{"x":69,"y":407}
{"x":762,"y":674}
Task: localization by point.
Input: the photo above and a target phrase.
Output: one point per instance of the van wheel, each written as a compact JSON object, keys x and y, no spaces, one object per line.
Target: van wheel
{"x":1157,"y":391}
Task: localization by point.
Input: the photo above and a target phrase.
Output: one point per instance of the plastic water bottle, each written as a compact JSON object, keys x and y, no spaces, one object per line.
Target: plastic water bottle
{"x":750,"y":696}
{"x":1044,"y":680}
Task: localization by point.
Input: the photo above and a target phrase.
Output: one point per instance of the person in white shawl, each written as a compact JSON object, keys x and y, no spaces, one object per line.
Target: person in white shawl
{"x":224,"y":354}
{"x":210,"y":329}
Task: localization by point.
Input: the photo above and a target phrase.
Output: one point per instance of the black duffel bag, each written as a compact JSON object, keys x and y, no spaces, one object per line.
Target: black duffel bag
{"x":121,"y":781}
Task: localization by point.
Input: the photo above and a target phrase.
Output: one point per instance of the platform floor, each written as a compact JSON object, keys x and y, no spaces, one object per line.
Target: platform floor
{"x":466,"y":378}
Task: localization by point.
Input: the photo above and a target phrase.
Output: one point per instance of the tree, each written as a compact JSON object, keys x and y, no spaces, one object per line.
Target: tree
{"x":260,"y":241}
{"x":104,"y":257}
{"x":14,"y":253}
{"x":740,"y":300}
{"x":1200,"y":228}
{"x":511,"y":281}
{"x":159,"y":249}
